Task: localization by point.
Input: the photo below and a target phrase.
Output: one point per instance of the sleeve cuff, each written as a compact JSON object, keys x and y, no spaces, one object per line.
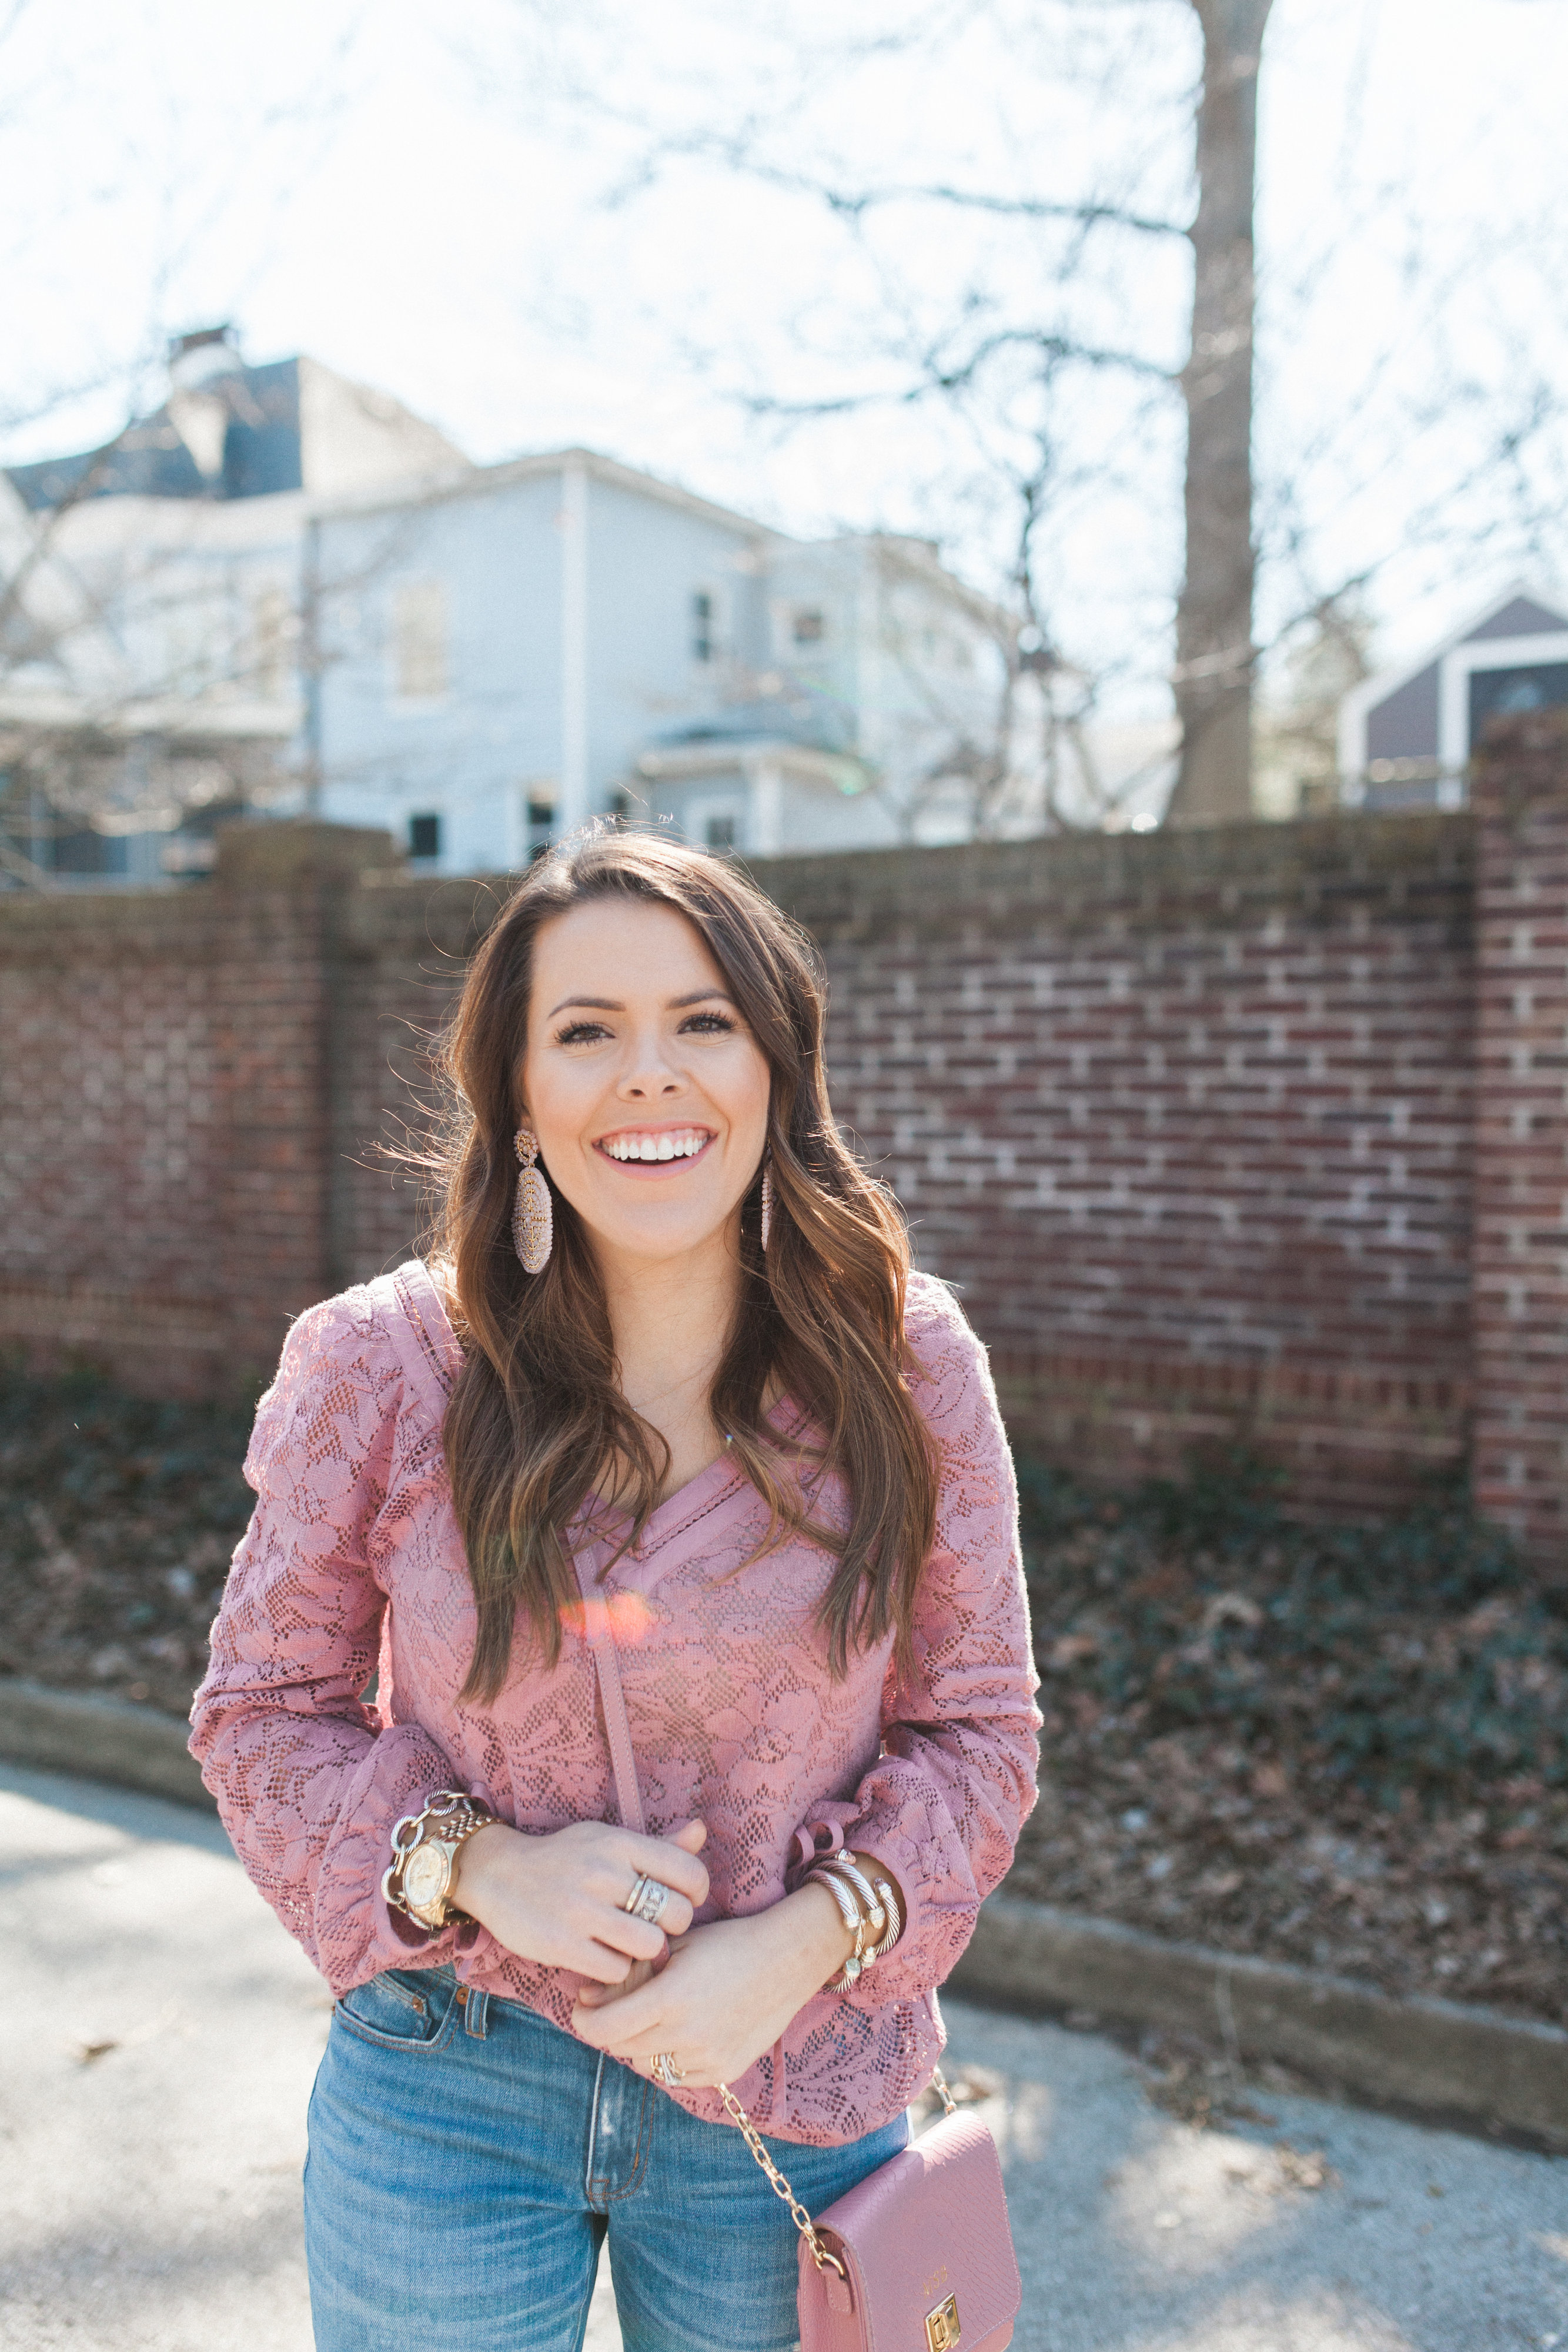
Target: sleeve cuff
{"x":835,"y":1825}
{"x":821,"y":1834}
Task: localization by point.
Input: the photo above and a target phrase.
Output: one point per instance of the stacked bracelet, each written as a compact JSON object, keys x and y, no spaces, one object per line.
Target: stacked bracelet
{"x":869,"y":1909}
{"x":425,"y":1850}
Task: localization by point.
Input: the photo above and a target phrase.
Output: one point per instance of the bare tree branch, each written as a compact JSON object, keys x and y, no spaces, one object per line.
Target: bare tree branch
{"x":736,"y":152}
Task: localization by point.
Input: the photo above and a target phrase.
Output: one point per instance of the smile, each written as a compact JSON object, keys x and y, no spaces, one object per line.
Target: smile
{"x":643,"y":1146}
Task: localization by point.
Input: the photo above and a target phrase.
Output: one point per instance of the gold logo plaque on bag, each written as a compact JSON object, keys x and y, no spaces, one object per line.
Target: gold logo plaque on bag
{"x":942,"y":2327}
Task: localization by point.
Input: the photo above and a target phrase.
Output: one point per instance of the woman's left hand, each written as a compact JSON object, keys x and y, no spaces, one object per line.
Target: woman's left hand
{"x":725,"y":1994}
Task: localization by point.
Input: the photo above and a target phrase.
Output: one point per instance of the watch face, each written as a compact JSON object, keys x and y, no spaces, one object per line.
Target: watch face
{"x":425,"y":1876}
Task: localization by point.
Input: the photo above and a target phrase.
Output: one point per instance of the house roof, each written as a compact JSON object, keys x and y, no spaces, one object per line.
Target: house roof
{"x":1523,"y":610}
{"x":243,"y":432}
{"x":261,"y":450}
{"x":478,"y":480}
{"x":1415,"y":701}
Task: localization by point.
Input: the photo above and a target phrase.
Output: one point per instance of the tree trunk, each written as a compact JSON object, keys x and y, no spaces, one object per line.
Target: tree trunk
{"x":1214,"y":614}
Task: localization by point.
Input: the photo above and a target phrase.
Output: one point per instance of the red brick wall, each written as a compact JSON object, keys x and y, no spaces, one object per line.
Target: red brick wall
{"x":111,"y":1166}
{"x":1521,"y":1257}
{"x":165,"y":1173}
{"x":1191,"y":1120}
{"x":1189,"y":1123}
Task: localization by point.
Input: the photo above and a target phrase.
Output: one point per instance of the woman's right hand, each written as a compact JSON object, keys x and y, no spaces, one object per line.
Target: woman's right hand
{"x":560,"y":1898}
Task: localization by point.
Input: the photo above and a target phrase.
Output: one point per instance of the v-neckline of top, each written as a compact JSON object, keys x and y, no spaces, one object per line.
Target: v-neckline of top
{"x":678,"y":1511}
{"x":697,"y":1499}
{"x":721,"y":1482}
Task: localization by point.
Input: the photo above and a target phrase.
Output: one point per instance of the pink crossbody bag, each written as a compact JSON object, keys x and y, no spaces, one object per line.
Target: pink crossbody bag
{"x":918,"y":2257}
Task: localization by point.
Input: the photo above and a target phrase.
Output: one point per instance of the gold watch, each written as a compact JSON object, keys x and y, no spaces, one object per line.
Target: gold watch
{"x":424,"y":1854}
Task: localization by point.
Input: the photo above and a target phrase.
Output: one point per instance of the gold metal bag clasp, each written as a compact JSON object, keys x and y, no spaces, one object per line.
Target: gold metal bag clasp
{"x":942,"y":2330}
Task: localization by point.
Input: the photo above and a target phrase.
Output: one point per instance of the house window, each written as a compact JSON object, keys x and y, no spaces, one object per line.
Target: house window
{"x":1504,"y":693}
{"x":702,"y":626}
{"x":716,"y":819}
{"x":810,"y":625}
{"x":540,"y":816}
{"x":424,"y":836}
{"x":419,"y":640}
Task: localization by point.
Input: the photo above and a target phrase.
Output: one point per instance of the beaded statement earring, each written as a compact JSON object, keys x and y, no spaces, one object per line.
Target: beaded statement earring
{"x":532,"y":1231}
{"x":767,"y":1208}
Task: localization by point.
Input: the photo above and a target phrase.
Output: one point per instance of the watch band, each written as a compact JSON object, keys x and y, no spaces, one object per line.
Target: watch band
{"x":444,"y":1821}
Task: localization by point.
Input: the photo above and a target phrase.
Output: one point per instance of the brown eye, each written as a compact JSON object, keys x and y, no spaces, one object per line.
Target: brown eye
{"x":708,"y":1024}
{"x":581,"y":1032}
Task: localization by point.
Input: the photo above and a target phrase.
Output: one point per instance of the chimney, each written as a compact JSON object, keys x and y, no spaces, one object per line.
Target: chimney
{"x":197,"y":402}
{"x":197,"y":359}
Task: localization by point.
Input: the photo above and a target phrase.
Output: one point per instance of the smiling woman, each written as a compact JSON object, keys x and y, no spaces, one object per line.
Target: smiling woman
{"x":662,"y":1474}
{"x":665,"y":995}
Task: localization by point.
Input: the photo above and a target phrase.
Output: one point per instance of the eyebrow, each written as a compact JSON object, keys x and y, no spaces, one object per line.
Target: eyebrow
{"x":614,"y":1005}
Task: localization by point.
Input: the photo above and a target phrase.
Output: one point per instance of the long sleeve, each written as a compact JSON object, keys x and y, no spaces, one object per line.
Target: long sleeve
{"x":956,"y":1782}
{"x":307,"y":1780}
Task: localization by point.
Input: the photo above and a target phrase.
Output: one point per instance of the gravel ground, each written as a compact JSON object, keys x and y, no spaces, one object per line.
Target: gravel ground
{"x":164,"y":2033}
{"x":1338,"y":1747}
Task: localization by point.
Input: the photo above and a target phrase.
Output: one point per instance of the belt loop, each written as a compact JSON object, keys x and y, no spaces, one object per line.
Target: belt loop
{"x":475,"y":2010}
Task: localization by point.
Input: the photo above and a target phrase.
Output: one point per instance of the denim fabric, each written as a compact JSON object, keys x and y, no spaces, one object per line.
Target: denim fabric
{"x":467,"y":2158}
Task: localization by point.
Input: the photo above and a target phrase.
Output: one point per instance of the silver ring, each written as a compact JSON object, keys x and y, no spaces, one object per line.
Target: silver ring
{"x":648,"y":1900}
{"x":666,"y":2068}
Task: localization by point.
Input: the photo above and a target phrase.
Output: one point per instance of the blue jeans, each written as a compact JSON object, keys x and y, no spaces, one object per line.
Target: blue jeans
{"x":467,"y":2158}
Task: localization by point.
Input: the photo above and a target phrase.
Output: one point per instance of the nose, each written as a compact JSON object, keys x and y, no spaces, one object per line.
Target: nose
{"x":648,"y":1077}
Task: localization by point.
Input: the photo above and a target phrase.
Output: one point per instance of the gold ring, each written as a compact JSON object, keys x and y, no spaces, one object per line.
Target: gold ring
{"x":666,"y":2068}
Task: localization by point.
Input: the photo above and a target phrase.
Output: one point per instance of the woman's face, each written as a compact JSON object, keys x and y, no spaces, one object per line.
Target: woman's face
{"x":647,"y":1089}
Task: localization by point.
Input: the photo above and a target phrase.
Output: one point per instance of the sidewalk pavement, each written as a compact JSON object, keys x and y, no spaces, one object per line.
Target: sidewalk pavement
{"x":163,"y":2030}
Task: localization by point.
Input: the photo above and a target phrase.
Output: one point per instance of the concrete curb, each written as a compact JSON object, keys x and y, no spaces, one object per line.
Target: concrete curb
{"x":104,"y":1739}
{"x":1435,"y":2058}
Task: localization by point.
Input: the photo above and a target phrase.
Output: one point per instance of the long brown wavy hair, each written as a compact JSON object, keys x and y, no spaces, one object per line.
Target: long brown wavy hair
{"x":536,"y":1421}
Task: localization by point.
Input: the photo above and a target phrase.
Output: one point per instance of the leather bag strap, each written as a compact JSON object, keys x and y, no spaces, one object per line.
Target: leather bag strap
{"x":629,"y":1803}
{"x":613,"y":1702}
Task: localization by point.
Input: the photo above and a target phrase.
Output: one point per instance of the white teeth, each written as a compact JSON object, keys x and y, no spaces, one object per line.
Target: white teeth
{"x":655,"y":1147}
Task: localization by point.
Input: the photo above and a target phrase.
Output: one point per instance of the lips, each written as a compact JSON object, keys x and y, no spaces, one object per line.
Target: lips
{"x":635,"y":1146}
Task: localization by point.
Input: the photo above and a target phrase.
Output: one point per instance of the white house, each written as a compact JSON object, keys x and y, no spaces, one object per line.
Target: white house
{"x":532,"y":644}
{"x":283,"y":592}
{"x":151,"y":670}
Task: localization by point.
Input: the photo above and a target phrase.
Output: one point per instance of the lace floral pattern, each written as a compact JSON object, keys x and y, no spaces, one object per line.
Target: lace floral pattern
{"x":353,"y":1565}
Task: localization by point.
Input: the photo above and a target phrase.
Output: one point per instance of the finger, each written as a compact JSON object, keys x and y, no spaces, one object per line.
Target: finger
{"x":670,"y":1863}
{"x":675,"y":1917}
{"x":633,"y":2022}
{"x":641,"y":2049}
{"x":638,"y":1938}
{"x":594,"y":1996}
{"x":602,"y":1967}
{"x":693,"y":1837}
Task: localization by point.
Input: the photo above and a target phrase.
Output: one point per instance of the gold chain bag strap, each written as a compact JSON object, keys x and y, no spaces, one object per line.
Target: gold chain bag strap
{"x":922,"y":2242}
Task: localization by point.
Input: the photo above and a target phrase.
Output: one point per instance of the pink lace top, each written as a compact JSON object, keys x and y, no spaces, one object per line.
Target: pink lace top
{"x":353,"y":1564}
